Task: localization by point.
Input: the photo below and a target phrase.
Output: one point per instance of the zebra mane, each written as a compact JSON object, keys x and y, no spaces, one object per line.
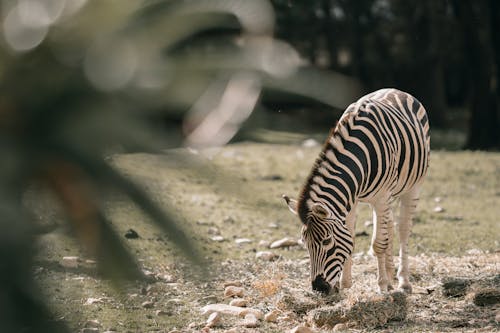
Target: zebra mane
{"x":302,"y":207}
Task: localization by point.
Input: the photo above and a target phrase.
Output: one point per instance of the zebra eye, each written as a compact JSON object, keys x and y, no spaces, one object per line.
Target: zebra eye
{"x":326,"y":241}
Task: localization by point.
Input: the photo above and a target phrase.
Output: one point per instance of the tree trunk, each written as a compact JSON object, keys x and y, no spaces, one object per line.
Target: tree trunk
{"x":476,"y":25}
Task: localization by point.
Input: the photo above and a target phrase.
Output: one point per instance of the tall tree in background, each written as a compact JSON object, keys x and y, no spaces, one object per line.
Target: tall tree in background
{"x":480,"y":24}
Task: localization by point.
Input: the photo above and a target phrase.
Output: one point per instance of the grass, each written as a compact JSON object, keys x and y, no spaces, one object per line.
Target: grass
{"x":235,"y":192}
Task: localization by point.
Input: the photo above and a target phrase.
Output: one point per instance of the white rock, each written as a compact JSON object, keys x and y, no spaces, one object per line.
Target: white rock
{"x":309,"y":143}
{"x":301,"y":329}
{"x":239,"y":302}
{"x":92,"y":324}
{"x":285,"y":242}
{"x":230,"y":310}
{"x":217,"y":238}
{"x":250,"y":321}
{"x":70,"y":262}
{"x":233,"y":291}
{"x":266,"y":255}
{"x":213,"y":319}
{"x":147,"y":304}
{"x":232,"y":283}
{"x":340,"y":327}
{"x":438,"y":209}
{"x":222,"y":308}
{"x":257,"y":313}
{"x":92,"y":300}
{"x":242,"y":241}
{"x":213,"y":231}
{"x":271,"y":316}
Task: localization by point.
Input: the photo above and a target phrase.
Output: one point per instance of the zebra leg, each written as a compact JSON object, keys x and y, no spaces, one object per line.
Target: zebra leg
{"x":345,"y":280}
{"x":389,"y":258}
{"x":408,"y":206}
{"x":380,"y":240}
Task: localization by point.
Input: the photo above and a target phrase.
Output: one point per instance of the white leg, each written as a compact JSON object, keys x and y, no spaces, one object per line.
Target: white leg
{"x":408,"y":207}
{"x":345,"y":280}
{"x":382,"y":237}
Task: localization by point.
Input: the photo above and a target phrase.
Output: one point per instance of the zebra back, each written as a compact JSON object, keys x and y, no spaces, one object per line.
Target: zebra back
{"x":380,"y":146}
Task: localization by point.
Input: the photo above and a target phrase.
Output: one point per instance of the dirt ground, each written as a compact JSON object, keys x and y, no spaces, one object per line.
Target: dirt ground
{"x":229,"y":200}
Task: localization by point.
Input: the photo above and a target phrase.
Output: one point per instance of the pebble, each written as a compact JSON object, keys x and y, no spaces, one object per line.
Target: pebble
{"x":228,"y":219}
{"x":242,"y":241}
{"x":241,"y":302}
{"x":222,"y":308}
{"x":233,"y":291}
{"x":285,"y":242}
{"x":213,"y":231}
{"x":90,"y":330}
{"x":213,"y":319}
{"x":70,"y":262}
{"x":232,"y":283}
{"x":301,"y":329}
{"x":340,"y":327}
{"x":266,"y":255}
{"x":162,"y":313}
{"x":92,"y":324}
{"x":438,"y":209}
{"x":271,"y":316}
{"x":250,"y":321}
{"x":309,"y":143}
{"x":147,"y":304}
{"x":497,"y":316}
{"x":230,"y":310}
{"x":92,"y":300}
{"x":131,"y":234}
{"x":217,"y":238}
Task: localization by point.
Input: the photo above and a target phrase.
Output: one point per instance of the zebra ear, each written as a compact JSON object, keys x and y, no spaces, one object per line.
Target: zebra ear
{"x":319,"y":211}
{"x":292,"y":204}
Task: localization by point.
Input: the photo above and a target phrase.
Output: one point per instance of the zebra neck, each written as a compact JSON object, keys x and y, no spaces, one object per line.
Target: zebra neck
{"x":332,"y":185}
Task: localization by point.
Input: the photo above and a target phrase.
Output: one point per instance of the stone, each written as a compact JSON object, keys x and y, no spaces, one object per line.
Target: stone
{"x":214,"y":319}
{"x":301,"y":329}
{"x":340,"y":327}
{"x":92,"y":324}
{"x":222,"y":308}
{"x":310,"y":143}
{"x":256,"y":312}
{"x":131,"y":234}
{"x":162,"y":313}
{"x":250,"y":321}
{"x":70,"y":262}
{"x":241,"y":302}
{"x":266,"y":255}
{"x":92,"y":300}
{"x":241,"y":241}
{"x":217,"y":238}
{"x":438,"y":209}
{"x":285,"y":242}
{"x":485,"y":297}
{"x":213,"y":231}
{"x":232,"y":283}
{"x":271,"y":316}
{"x":147,"y":304}
{"x":233,"y":291}
{"x":455,"y":287}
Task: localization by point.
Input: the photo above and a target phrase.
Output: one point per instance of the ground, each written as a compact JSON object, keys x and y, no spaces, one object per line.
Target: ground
{"x":229,"y":201}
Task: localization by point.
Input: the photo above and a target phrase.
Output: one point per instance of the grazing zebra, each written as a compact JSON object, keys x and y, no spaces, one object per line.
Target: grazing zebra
{"x":378,"y":151}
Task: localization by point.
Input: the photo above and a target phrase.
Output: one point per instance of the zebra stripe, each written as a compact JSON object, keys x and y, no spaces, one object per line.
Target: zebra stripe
{"x":378,"y":151}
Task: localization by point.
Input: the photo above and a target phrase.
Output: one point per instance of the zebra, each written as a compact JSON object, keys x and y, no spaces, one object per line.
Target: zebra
{"x":377,"y":152}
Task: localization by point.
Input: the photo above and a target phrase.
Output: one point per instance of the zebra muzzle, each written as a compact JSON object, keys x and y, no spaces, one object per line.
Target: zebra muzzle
{"x":320,"y":284}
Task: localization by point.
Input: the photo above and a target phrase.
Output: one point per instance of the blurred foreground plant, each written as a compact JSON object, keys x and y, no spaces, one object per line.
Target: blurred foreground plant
{"x":79,"y":80}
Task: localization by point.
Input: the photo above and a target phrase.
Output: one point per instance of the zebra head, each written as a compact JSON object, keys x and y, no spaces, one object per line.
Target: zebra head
{"x":328,"y":241}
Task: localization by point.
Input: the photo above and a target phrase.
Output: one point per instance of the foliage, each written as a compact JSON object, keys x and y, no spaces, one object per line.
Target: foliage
{"x":81,"y":80}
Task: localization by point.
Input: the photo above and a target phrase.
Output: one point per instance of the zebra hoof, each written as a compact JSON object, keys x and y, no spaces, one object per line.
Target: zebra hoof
{"x":406,"y":288}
